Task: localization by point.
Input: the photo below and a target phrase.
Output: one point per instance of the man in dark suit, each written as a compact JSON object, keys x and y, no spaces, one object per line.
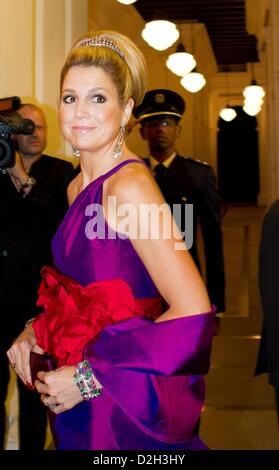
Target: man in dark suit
{"x":184,"y":181}
{"x":268,"y":355}
{"x":33,"y":200}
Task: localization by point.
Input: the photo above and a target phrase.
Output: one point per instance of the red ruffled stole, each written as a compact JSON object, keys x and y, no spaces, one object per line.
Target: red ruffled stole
{"x":73,"y":314}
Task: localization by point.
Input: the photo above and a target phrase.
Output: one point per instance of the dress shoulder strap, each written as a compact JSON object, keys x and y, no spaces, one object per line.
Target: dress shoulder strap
{"x":120,"y":165}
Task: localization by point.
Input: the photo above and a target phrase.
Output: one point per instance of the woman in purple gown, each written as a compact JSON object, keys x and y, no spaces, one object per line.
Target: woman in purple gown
{"x":129,"y":376}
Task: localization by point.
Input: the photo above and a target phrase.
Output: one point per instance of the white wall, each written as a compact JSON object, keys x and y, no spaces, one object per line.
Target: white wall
{"x":272,"y":41}
{"x":34,"y":38}
{"x":16,"y":48}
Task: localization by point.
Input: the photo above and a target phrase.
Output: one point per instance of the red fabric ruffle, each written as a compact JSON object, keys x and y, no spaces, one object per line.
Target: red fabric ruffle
{"x":73,"y":314}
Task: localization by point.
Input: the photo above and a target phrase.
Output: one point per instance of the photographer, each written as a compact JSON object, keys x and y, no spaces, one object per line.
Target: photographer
{"x":33,"y":201}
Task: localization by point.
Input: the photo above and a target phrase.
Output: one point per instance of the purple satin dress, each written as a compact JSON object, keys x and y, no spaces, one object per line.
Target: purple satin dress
{"x":151,"y":373}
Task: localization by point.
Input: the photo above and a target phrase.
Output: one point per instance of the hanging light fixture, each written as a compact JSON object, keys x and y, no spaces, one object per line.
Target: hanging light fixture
{"x":255,"y":102}
{"x":254,"y":96}
{"x":127,"y":2}
{"x":193,"y":81}
{"x":160,"y":34}
{"x":227,"y":113}
{"x":252,"y":108}
{"x":181,"y":62}
{"x":254,"y":91}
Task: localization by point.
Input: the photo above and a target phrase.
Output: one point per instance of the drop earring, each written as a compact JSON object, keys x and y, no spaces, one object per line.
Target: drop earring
{"x":120,"y":139}
{"x":76,"y":152}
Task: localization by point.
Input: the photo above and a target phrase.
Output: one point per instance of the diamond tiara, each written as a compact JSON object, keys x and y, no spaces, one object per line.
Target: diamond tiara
{"x":102,"y":42}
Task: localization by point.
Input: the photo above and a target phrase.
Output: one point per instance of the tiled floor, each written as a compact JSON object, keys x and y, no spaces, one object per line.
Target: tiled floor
{"x":12,"y":408}
{"x":239,"y":412}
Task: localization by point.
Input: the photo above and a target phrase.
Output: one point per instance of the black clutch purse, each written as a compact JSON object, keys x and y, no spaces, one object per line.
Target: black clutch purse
{"x":39,"y":362}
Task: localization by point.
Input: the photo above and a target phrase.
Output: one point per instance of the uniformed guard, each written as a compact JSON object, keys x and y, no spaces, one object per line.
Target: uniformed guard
{"x":184,"y":180}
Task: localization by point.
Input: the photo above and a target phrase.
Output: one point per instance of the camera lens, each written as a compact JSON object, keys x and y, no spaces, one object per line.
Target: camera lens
{"x":6,"y":153}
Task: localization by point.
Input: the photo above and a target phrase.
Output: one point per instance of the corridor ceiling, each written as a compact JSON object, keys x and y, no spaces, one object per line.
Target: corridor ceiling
{"x":225,"y":21}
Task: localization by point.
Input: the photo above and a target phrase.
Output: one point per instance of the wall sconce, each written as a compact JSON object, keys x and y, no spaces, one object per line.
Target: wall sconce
{"x":160,"y":34}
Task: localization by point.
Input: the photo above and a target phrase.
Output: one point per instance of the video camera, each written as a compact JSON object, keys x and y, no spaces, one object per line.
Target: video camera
{"x":11,"y":123}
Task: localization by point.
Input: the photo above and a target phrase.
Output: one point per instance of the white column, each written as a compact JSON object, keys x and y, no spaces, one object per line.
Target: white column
{"x":16,"y":50}
{"x":272,"y":150}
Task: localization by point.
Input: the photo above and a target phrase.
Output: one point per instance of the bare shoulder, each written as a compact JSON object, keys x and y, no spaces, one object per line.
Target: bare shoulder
{"x":73,"y":188}
{"x":134,"y":182}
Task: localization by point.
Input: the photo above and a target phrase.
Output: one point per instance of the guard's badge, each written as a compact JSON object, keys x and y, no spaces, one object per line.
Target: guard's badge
{"x":159,"y":98}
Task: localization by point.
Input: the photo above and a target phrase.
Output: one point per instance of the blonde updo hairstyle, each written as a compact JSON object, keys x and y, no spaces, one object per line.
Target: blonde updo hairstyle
{"x":129,"y":73}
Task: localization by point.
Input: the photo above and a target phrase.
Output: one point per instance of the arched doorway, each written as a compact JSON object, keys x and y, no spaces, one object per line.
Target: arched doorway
{"x":238,"y":159}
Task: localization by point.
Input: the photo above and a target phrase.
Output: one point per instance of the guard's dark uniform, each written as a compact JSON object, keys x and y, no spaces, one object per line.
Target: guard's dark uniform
{"x":189,"y":181}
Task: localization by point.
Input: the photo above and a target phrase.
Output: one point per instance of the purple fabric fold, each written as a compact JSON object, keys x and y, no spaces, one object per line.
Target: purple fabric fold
{"x":159,"y":384}
{"x":152,"y":374}
{"x":149,"y":345}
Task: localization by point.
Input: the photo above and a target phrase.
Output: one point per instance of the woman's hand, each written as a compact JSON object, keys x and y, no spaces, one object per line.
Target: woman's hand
{"x":58,"y":390}
{"x":19,"y":353}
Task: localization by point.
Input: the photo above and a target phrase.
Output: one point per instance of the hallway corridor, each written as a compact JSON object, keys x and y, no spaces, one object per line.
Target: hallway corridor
{"x":239,"y":411}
